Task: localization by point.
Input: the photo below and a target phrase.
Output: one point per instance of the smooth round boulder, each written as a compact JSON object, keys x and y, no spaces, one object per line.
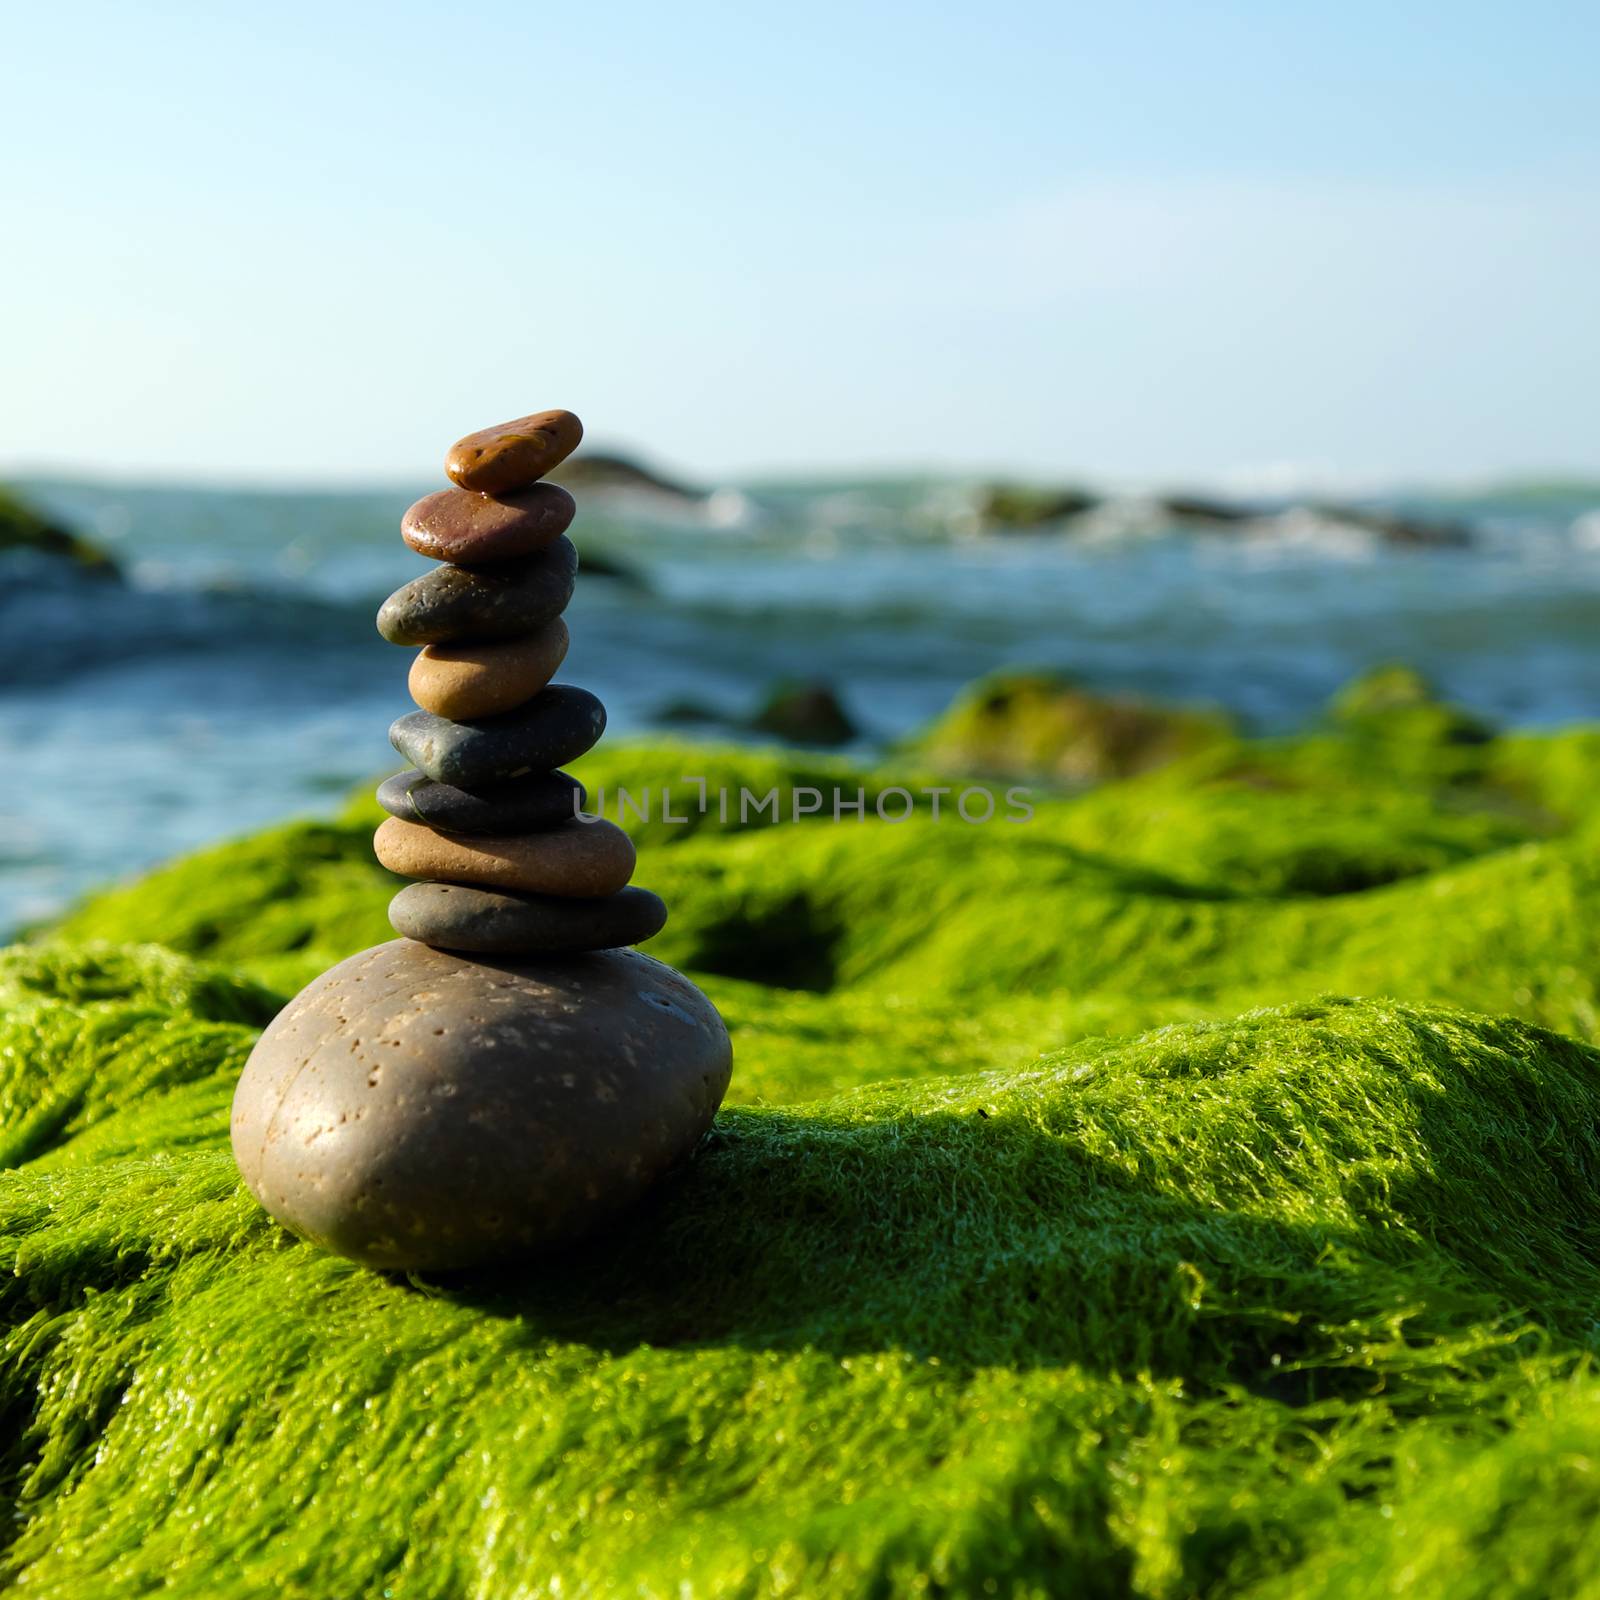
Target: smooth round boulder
{"x":525,"y":805}
{"x":415,"y":1109}
{"x":553,"y":728}
{"x":465,"y":682}
{"x":455,"y":916}
{"x":471,"y":603}
{"x":511,"y":455}
{"x":471,"y":529}
{"x":593,"y":857}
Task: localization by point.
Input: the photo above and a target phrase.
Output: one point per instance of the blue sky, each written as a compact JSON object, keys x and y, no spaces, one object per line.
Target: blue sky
{"x":306,"y":243}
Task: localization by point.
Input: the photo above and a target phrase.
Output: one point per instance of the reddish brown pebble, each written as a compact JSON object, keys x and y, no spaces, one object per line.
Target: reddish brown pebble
{"x":467,"y":681}
{"x":513,"y":454}
{"x":473,"y":529}
{"x":578,"y":858}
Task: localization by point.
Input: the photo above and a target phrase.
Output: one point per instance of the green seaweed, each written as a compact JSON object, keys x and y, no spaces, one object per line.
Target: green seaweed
{"x":1170,"y":1316}
{"x":1052,"y":1239}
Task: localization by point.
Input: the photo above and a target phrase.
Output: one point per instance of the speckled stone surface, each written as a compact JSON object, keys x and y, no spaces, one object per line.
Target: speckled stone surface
{"x":511,"y":455}
{"x":525,"y":805}
{"x":468,"y":681}
{"x":455,"y":916}
{"x":474,"y":603}
{"x":458,"y":525}
{"x":578,"y":858}
{"x":553,"y":728}
{"x":411,"y":1108}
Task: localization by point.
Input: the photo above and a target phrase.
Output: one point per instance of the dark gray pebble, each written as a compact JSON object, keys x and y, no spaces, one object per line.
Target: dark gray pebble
{"x":498,"y":602}
{"x":525,"y":805}
{"x":553,"y":728}
{"x":453,"y":916}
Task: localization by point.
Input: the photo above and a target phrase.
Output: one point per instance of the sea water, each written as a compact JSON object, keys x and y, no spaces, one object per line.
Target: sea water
{"x":236,"y":677}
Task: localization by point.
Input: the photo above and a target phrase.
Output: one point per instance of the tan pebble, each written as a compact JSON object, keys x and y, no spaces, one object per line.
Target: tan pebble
{"x":512,"y":455}
{"x":467,"y":681}
{"x":578,"y":858}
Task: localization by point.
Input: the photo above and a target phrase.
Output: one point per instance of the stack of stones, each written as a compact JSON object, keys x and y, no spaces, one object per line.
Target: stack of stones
{"x":485,"y":818}
{"x":505,"y":1078}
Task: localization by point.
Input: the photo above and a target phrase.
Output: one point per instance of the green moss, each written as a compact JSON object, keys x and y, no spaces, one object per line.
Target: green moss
{"x":1181,"y":1315}
{"x":1051,"y":1237}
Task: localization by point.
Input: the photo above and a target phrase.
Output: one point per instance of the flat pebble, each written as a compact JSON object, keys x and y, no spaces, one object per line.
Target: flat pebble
{"x":467,"y":528}
{"x":578,"y":858}
{"x":467,"y":681}
{"x":454,"y":916}
{"x":476,"y":603}
{"x":525,"y":805}
{"x":553,"y":728}
{"x":415,"y":1109}
{"x":511,"y":455}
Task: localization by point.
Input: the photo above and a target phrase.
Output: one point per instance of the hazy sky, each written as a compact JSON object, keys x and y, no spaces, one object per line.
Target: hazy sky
{"x":311,"y":242}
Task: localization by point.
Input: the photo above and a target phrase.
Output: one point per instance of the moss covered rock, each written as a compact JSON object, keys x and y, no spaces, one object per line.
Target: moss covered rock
{"x":1038,"y":725}
{"x":1186,"y":1314}
{"x":1056,"y":1237}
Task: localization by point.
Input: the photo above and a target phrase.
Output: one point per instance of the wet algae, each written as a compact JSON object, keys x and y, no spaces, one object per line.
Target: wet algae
{"x":1192,"y":1191}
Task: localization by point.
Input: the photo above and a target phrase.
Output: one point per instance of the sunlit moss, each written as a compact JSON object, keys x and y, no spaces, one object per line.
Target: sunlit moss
{"x":1054,"y":1234}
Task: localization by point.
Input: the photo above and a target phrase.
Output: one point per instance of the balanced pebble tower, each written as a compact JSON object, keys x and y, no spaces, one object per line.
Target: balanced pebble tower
{"x":506,"y":1076}
{"x":484,"y":817}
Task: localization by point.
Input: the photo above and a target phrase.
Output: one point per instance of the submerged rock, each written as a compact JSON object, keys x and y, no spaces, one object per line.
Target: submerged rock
{"x":805,"y":713}
{"x":414,"y":1109}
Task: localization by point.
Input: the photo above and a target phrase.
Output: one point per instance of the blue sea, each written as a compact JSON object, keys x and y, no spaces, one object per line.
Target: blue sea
{"x":236,"y":677}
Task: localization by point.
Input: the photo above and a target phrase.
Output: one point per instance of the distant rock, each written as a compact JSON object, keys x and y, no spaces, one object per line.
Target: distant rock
{"x":596,"y":469}
{"x":1425,"y":533}
{"x":1014,"y":508}
{"x":805,"y":713}
{"x":1194,"y":508}
{"x":1019,"y":508}
{"x":24,"y":528}
{"x":1039,"y":725}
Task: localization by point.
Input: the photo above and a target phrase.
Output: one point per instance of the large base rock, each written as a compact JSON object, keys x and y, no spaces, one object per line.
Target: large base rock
{"x":413,"y":1108}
